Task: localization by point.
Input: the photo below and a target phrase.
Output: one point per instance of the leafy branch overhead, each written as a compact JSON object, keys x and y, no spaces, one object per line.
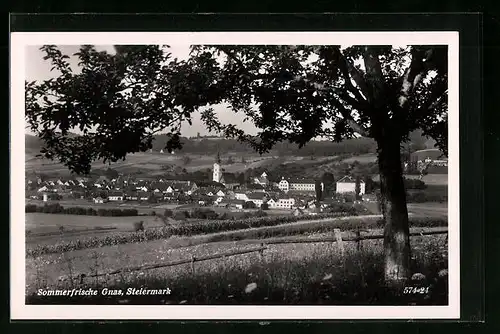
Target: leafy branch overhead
{"x":117,"y":102}
{"x":297,"y":93}
{"x":291,"y":93}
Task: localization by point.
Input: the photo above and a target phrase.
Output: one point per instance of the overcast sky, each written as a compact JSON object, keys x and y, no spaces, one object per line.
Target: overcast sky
{"x":39,"y":69}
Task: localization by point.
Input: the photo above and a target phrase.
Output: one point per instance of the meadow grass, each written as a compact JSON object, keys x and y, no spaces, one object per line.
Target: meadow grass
{"x":253,"y":228}
{"x":310,"y":274}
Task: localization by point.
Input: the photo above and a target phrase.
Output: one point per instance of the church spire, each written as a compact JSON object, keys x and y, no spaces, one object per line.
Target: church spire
{"x":217,"y":159}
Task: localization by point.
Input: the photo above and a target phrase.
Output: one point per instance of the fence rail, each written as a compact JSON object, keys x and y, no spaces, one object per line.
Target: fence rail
{"x":263,"y":246}
{"x":349,"y":238}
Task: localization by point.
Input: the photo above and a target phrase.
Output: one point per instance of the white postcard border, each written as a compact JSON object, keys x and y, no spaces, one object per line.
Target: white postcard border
{"x":19,"y":310}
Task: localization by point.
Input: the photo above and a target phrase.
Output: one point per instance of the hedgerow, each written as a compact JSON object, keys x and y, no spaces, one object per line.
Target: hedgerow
{"x":57,"y":208}
{"x":201,"y":227}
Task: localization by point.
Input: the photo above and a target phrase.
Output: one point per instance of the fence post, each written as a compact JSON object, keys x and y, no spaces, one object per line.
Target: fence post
{"x":261,"y":252}
{"x":358,"y":240}
{"x":193,"y":259}
{"x":340,"y":242}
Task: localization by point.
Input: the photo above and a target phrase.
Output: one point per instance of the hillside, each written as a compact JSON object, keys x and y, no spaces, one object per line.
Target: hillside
{"x":432,"y":153}
{"x":198,"y":154}
{"x":210,"y":146}
{"x":32,"y":144}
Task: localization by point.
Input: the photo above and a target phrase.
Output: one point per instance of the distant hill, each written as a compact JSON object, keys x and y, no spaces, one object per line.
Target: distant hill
{"x":210,"y":146}
{"x":33,"y":144}
{"x":432,"y":153}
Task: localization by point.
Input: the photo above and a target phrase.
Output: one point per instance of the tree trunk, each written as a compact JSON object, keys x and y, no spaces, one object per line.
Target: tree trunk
{"x":395,"y":212}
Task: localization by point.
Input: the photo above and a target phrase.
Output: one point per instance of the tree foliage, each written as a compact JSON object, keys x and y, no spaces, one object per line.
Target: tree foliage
{"x":295,"y":93}
{"x":116,"y":101}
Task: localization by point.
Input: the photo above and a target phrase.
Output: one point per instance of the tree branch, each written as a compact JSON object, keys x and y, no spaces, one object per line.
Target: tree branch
{"x":374,"y":72}
{"x":359,"y":80}
{"x":346,"y":114}
{"x":344,"y":64}
{"x":412,"y":77}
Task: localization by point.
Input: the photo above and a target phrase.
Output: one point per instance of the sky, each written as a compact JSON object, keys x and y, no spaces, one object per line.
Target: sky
{"x":38,"y":69}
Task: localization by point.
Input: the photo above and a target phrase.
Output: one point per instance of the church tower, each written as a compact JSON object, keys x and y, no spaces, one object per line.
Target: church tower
{"x":217,"y":169}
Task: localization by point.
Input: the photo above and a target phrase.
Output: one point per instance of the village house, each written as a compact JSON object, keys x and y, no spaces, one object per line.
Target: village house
{"x":237,"y":204}
{"x":160,"y":188}
{"x":257,"y":198}
{"x":271,"y":202}
{"x":241,"y":196}
{"x":100,"y":200}
{"x":143,"y":196}
{"x":116,"y":196}
{"x":347,"y":184}
{"x":302,"y":185}
{"x":261,"y":180}
{"x":285,"y":202}
{"x":43,"y":189}
{"x":142,"y":188}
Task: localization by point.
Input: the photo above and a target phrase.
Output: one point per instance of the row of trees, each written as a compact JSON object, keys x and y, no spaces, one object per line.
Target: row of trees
{"x":201,"y":213}
{"x":315,"y":148}
{"x":56,"y":208}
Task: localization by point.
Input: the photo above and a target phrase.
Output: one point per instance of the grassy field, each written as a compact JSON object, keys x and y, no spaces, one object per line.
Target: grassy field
{"x":430,"y":209}
{"x":47,"y":270}
{"x":365,"y":158}
{"x":437,"y":210}
{"x":429,"y":179}
{"x":141,"y":208}
{"x":77,"y":227}
{"x":432,"y":179}
{"x":148,"y":250}
{"x":150,"y":163}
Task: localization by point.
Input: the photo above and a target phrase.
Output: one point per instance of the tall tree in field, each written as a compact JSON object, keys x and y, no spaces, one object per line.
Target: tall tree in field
{"x":329,"y":181}
{"x":290,"y":93}
{"x":318,"y":188}
{"x":358,"y":188}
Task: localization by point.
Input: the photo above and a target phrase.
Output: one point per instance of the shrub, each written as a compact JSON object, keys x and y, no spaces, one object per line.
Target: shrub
{"x":30,"y":208}
{"x":414,"y":184}
{"x":168,"y":213}
{"x":138,"y":226}
{"x":249,"y":205}
{"x":223,"y":216}
{"x":342,"y":207}
{"x":181,"y":215}
{"x":203,"y":214}
{"x":422,"y":197}
{"x":91,"y":212}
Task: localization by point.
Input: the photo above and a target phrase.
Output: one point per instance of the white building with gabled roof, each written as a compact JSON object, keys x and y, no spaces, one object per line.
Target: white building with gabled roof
{"x":347,"y":184}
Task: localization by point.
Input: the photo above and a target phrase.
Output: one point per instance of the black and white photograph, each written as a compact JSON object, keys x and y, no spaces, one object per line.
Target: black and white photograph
{"x":252,"y":175}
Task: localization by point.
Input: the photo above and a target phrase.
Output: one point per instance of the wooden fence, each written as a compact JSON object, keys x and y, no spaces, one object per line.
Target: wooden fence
{"x":358,"y":238}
